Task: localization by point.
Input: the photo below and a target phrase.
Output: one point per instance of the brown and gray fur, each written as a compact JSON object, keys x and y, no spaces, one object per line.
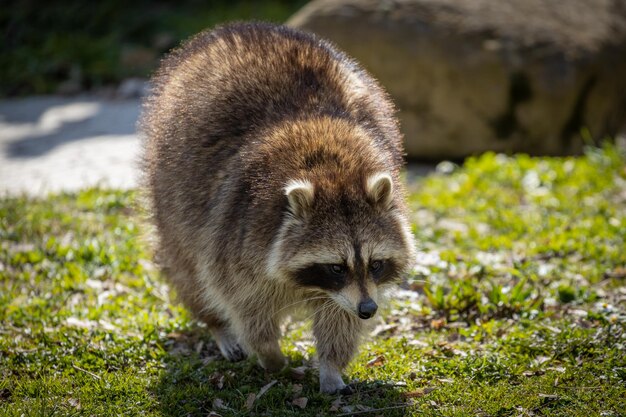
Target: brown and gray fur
{"x":269,"y":157}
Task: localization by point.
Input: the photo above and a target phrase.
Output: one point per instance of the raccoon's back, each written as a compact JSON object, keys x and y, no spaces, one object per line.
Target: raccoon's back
{"x":213,"y":95}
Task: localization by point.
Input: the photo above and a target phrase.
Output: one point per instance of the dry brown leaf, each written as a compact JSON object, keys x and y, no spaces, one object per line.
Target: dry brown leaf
{"x":207,"y":360}
{"x":265,"y":388}
{"x":533,"y":373}
{"x":377,"y":361}
{"x":334,"y":407}
{"x":217,"y":379}
{"x":300,"y":402}
{"x":418,"y":392}
{"x":296,"y":389}
{"x":74,"y":403}
{"x":617,"y":273}
{"x":416,"y":342}
{"x":76,"y":322}
{"x":298,"y":373}
{"x":219,"y":404}
{"x":383,"y":328}
{"x":250,"y":401}
{"x":540,"y":360}
{"x":416,"y":285}
{"x":438,"y":323}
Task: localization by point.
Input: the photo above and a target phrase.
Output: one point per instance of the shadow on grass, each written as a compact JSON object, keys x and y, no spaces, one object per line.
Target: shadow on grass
{"x":196,"y":381}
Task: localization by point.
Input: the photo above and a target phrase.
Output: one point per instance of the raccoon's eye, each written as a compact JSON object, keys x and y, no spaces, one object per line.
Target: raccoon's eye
{"x":376,"y":266}
{"x":337,"y":269}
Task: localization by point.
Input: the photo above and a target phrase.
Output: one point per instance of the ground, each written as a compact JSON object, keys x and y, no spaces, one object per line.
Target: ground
{"x":516,"y":307}
{"x":54,"y":144}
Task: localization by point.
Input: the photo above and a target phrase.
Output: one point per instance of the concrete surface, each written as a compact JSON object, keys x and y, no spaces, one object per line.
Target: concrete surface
{"x":50,"y":144}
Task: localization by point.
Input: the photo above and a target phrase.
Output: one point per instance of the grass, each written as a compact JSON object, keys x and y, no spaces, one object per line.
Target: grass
{"x":49,"y":46}
{"x":516,"y":307}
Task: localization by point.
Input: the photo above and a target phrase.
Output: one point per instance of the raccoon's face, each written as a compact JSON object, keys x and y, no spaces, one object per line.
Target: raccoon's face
{"x":349,"y":244}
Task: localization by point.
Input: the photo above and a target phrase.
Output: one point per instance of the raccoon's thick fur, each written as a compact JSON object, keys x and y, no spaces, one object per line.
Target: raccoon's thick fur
{"x":272,"y":166}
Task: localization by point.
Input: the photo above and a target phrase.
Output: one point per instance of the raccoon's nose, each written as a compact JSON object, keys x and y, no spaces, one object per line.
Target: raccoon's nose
{"x":367,"y":308}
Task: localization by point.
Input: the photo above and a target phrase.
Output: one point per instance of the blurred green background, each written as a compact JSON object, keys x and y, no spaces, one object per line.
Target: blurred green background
{"x":69,"y":46}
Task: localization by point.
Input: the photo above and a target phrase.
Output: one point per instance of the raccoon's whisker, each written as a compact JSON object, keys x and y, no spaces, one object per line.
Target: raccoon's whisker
{"x":349,"y":311}
{"x":325,"y":305}
{"x":298,"y":302}
{"x":332,"y":311}
{"x":336,"y":312}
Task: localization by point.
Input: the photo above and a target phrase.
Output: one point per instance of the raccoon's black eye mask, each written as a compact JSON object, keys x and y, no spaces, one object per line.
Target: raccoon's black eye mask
{"x":334,"y":277}
{"x":326,"y":276}
{"x":383,"y":270}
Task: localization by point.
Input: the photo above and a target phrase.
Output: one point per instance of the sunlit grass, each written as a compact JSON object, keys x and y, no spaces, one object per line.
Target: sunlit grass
{"x":517,"y":306}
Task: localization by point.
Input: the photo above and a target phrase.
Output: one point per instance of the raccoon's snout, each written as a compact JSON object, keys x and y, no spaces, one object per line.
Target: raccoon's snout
{"x":367,"y":308}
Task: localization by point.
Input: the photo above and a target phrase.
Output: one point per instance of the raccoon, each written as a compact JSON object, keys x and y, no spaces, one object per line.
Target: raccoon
{"x":272,"y":164}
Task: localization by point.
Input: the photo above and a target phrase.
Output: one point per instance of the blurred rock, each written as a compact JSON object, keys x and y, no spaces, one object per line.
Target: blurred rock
{"x":476,"y":75}
{"x":132,"y":88}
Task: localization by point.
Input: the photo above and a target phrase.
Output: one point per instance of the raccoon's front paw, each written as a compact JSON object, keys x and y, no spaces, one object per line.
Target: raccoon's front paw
{"x":331,"y":381}
{"x":234,"y":353}
{"x":231,"y":350}
{"x":273,"y":363}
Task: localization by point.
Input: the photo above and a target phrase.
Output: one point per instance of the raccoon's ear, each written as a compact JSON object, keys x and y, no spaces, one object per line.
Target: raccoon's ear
{"x":379,"y":188}
{"x":300,"y":195}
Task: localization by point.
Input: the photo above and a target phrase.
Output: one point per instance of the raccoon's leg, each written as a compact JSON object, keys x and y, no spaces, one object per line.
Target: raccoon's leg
{"x":337,"y":333}
{"x":220,"y":329}
{"x":183,"y":275}
{"x":260,"y":334}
